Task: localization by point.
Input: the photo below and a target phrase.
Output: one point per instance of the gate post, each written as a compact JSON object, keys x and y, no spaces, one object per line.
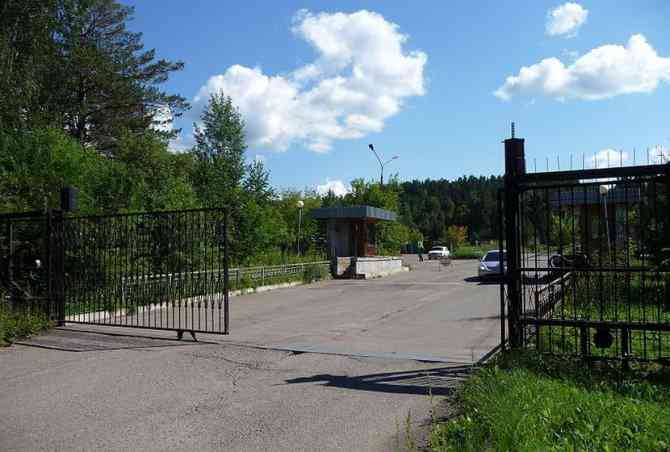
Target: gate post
{"x":56,"y":264}
{"x":515,"y":165}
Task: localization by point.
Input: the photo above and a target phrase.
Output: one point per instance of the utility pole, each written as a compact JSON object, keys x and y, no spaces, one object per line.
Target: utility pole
{"x":381,"y":163}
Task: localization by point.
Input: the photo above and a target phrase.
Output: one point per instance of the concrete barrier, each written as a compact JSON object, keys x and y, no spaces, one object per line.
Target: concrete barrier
{"x":367,"y":267}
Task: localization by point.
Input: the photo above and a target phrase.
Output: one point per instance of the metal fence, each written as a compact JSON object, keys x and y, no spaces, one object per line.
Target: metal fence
{"x":25,"y":263}
{"x":72,"y":268}
{"x":588,"y":259}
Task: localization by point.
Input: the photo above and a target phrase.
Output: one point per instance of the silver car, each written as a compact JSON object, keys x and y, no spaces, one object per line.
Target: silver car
{"x":490,"y":264}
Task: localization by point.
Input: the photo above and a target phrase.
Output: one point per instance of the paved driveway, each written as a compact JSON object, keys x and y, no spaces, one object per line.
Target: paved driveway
{"x":430,"y":313}
{"x":142,"y":390}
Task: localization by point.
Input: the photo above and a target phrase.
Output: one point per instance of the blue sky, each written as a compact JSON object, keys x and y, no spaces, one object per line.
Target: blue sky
{"x":318,"y":81}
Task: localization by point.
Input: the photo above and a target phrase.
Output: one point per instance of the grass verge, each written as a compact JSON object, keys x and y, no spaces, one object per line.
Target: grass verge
{"x":17,"y":323}
{"x":527,"y":402}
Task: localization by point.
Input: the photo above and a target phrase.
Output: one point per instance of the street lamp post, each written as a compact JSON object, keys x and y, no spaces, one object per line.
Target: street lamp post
{"x":300,"y":205}
{"x":381,"y":163}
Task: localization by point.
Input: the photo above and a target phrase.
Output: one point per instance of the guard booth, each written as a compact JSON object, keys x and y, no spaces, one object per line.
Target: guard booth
{"x":352,"y":249}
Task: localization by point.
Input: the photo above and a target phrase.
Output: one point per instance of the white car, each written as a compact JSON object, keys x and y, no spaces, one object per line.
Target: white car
{"x":438,"y":252}
{"x":490,"y":264}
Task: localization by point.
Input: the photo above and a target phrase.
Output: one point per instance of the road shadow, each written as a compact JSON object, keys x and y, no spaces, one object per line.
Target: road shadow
{"x":74,"y":340}
{"x":482,"y":281}
{"x":437,"y":381}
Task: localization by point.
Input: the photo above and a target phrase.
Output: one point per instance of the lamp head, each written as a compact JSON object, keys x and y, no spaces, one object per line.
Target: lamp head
{"x":372,"y":148}
{"x":301,"y":204}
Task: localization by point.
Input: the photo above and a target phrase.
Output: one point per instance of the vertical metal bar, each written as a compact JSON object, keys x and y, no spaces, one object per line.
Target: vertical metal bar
{"x":59,"y":253}
{"x":656,"y":275}
{"x":584,"y":340}
{"x":49,"y":256}
{"x":10,"y":249}
{"x":226,"y":309}
{"x":503,"y":339}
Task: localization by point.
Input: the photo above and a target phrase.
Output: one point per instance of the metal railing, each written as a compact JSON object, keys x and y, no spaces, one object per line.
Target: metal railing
{"x":207,"y":282}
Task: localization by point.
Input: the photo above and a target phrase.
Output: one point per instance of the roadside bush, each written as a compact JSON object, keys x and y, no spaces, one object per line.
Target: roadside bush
{"x":19,"y":323}
{"x":471,"y":252}
{"x":315,"y":273}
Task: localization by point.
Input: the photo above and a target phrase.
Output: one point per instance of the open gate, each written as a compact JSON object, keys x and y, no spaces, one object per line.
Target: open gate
{"x":157,"y":270}
{"x":588,"y":259}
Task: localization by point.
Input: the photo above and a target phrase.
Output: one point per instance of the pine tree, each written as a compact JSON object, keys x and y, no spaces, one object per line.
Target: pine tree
{"x":103,"y":83}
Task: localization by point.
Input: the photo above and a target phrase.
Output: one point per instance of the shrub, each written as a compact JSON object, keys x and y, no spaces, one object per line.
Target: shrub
{"x":21,"y":322}
{"x":315,"y":272}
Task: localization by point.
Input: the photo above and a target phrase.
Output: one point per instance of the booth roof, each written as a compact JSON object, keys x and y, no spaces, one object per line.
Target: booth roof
{"x":353,"y":212}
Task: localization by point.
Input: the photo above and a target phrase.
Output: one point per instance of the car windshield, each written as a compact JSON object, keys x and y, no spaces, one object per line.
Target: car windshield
{"x":436,"y":248}
{"x":494,"y":256}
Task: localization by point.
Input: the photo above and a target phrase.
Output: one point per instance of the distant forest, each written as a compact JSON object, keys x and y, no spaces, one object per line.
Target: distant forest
{"x":431,"y":206}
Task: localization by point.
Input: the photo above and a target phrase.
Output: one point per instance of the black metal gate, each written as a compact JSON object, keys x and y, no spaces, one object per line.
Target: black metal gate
{"x":588,"y":259}
{"x":158,"y":270}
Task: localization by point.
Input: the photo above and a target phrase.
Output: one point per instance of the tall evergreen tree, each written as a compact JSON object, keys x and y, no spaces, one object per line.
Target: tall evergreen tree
{"x":105,"y":82}
{"x":27,"y":57}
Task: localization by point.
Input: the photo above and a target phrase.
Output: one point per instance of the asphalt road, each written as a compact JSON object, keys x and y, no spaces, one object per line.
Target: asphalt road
{"x":432,"y":313}
{"x":142,"y":390}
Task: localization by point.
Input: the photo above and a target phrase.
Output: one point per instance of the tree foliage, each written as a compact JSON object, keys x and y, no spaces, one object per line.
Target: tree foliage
{"x":457,"y":235}
{"x":219,"y":151}
{"x":72,"y":64}
{"x":431,"y":206}
{"x":82,"y":106}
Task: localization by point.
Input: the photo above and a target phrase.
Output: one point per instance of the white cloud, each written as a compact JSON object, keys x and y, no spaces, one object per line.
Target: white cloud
{"x":604,"y":72}
{"x":565,"y":20}
{"x":607,"y":158}
{"x":361,"y":77}
{"x":338,"y":187}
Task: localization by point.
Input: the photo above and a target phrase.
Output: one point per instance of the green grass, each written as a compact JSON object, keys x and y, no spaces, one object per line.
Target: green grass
{"x":529,"y":402}
{"x":17,"y":323}
{"x":631,"y":298}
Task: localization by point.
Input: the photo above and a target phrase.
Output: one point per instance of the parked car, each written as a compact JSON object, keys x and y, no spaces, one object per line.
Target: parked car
{"x":438,"y":252}
{"x":490,"y":264}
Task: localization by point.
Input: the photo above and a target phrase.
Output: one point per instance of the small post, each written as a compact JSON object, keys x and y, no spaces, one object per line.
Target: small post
{"x":515,"y":166}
